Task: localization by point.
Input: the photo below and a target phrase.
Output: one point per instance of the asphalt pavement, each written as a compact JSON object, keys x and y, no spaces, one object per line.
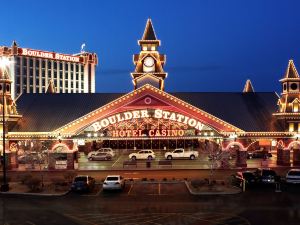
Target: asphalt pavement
{"x":156,"y":204}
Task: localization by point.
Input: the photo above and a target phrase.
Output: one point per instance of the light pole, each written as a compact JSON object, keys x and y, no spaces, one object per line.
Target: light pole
{"x":4,"y":62}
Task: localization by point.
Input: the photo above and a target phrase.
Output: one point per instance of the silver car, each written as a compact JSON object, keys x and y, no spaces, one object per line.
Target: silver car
{"x":293,"y":176}
{"x":113,"y":182}
{"x":100,"y":156}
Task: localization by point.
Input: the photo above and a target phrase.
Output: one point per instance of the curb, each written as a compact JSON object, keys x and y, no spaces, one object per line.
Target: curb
{"x":211,"y":193}
{"x":34,"y":194}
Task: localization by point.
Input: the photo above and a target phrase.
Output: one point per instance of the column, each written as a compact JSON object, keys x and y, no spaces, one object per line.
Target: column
{"x":296,"y":157}
{"x":283,"y":157}
{"x":14,"y":160}
{"x":241,"y":158}
{"x":70,"y":161}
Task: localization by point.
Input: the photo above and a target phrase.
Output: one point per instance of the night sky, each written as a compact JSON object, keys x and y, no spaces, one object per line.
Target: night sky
{"x":210,"y":45}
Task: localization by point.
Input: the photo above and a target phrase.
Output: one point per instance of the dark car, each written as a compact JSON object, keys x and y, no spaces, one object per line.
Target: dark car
{"x":266,"y":176}
{"x":259,"y":154}
{"x":248,"y":176}
{"x":100,"y":156}
{"x":83,"y":183}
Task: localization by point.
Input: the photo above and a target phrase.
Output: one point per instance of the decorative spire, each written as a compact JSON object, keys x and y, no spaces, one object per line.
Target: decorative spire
{"x":149,"y":33}
{"x":14,"y":43}
{"x":248,"y":87}
{"x":291,"y":71}
{"x":51,"y":87}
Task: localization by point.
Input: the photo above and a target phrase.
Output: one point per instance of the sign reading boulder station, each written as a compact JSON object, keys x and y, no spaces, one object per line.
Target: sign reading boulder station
{"x":147,"y":113}
{"x":49,"y":55}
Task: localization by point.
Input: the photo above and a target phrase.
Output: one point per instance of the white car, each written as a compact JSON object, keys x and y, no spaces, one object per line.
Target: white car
{"x":180,"y":153}
{"x":102,"y":150}
{"x":293,"y":176}
{"x":114,"y":182}
{"x":142,"y":154}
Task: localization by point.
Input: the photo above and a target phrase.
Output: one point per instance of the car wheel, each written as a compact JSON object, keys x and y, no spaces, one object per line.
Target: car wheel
{"x":150,"y":157}
{"x":169,"y":157}
{"x":192,"y":157}
{"x":133,"y":158}
{"x":90,"y":159}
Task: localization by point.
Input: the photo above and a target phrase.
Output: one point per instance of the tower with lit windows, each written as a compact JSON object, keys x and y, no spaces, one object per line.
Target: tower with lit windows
{"x":149,"y":62}
{"x":7,"y":104}
{"x":289,"y":101}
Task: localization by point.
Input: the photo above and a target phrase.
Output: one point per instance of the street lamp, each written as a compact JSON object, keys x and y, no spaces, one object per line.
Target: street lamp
{"x":4,"y":62}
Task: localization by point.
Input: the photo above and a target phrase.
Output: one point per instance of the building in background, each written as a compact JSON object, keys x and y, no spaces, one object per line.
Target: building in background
{"x":33,"y":71}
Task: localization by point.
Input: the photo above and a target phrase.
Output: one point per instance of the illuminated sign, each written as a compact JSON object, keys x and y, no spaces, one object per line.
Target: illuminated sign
{"x":49,"y":55}
{"x":144,"y":113}
{"x":150,"y":133}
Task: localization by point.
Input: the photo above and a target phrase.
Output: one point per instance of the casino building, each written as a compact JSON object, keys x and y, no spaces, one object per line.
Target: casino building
{"x":36,"y":71}
{"x":150,"y":118}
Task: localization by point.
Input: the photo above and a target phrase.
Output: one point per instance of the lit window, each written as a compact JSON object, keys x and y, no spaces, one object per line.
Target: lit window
{"x":152,"y":48}
{"x":291,"y":127}
{"x":295,"y":107}
{"x":144,"y":48}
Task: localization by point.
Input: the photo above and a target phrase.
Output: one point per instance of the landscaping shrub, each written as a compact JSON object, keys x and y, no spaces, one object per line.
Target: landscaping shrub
{"x":25,"y":177}
{"x":34,"y":184}
{"x":197,"y":183}
{"x":59,"y":182}
{"x":144,"y":179}
{"x":69,"y":176}
{"x":165,"y":179}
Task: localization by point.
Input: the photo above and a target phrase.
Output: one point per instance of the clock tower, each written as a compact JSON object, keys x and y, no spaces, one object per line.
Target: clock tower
{"x":149,"y":63}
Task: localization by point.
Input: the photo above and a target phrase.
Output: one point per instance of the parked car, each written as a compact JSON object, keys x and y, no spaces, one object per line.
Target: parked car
{"x":266,"y":176}
{"x":83,"y":183}
{"x":248,"y":176}
{"x":100,"y":156}
{"x":142,"y":154}
{"x":293,"y":176}
{"x":113,"y":182}
{"x":180,"y":153}
{"x":102,"y":150}
{"x":259,"y":154}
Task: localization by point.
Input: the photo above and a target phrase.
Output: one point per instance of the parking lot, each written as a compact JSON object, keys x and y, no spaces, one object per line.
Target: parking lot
{"x":202,"y":162}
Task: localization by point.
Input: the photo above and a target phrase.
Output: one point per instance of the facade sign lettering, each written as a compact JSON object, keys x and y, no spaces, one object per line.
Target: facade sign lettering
{"x":49,"y":55}
{"x":145,"y":113}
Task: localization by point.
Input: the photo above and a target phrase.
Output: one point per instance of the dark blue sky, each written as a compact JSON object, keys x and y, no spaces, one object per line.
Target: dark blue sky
{"x":210,"y":45}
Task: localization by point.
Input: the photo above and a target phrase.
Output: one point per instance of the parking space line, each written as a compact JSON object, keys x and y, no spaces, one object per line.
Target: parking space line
{"x":116,"y":161}
{"x":130,"y":189}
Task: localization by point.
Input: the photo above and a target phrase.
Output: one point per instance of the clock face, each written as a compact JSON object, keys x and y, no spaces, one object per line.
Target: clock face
{"x":149,"y":61}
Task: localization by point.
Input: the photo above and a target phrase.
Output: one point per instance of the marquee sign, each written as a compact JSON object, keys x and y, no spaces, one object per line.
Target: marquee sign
{"x":49,"y":55}
{"x":146,"y":113}
{"x":149,"y":133}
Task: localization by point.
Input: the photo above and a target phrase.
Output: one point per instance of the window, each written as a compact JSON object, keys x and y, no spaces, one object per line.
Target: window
{"x":296,"y":106}
{"x":291,"y":127}
{"x":31,"y":62}
{"x":294,"y":86}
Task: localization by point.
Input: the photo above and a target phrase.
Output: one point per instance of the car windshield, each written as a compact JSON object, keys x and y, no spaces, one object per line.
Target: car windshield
{"x":268,"y":173}
{"x":112,"y":178}
{"x":78,"y":179}
{"x":294,"y":173}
